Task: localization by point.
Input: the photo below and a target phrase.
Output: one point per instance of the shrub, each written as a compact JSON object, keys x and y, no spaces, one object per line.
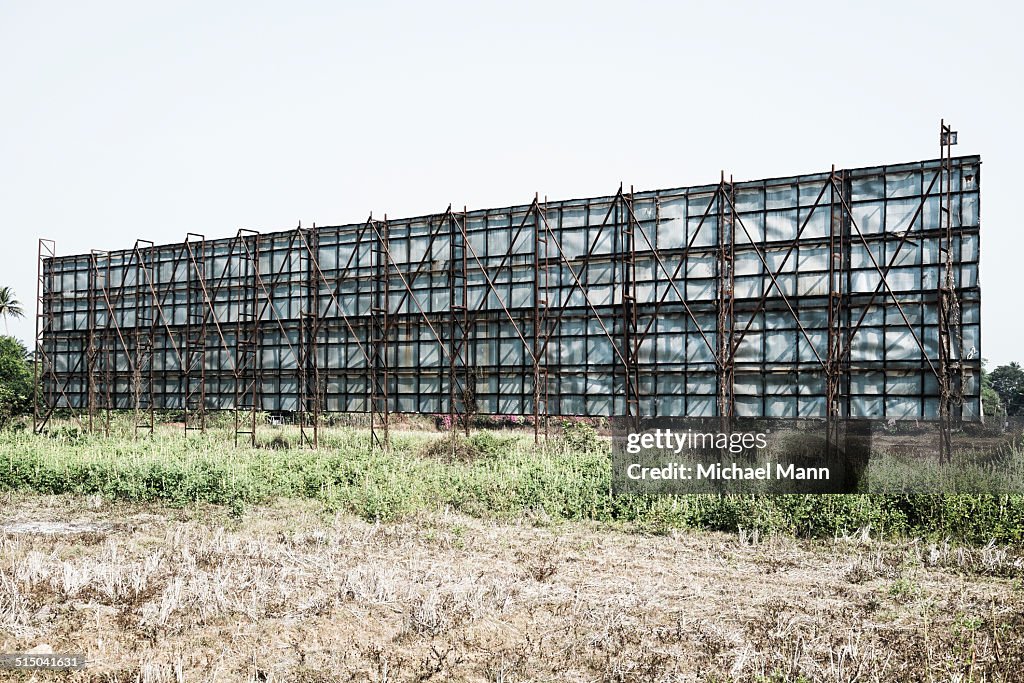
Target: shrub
{"x":580,"y":436}
{"x":16,"y":388}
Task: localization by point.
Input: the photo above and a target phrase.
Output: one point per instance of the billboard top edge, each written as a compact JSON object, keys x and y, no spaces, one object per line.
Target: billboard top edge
{"x":695,"y":189}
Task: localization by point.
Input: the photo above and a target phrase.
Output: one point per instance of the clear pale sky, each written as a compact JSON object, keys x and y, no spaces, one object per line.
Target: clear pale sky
{"x":125,"y":120}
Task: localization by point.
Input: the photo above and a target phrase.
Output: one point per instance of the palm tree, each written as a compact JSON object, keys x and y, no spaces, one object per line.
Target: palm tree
{"x":9,"y":306}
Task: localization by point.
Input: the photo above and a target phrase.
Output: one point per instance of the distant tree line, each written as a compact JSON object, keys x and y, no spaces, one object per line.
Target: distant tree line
{"x":1003,"y":390}
{"x":16,"y":387}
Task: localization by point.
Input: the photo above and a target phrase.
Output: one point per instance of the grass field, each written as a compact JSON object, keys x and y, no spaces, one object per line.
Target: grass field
{"x":493,"y":474}
{"x":288,"y":593}
{"x":168,"y":560}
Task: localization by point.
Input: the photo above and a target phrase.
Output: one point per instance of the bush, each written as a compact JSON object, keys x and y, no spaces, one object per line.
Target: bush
{"x":452,"y":448}
{"x":16,"y":387}
{"x":580,"y":437}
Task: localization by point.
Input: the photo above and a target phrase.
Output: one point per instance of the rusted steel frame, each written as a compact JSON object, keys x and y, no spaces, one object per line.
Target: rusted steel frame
{"x":384,"y":442}
{"x":549,"y":234}
{"x":268,"y":299}
{"x":377,"y":339}
{"x":725,"y":322}
{"x":145,"y":340}
{"x":433,"y":233}
{"x":512,"y":243}
{"x":108,"y":373}
{"x":405,"y":284}
{"x":682,"y":299}
{"x":111,"y":308}
{"x":246,"y":341}
{"x":343,"y":274}
{"x":111,"y":316}
{"x":334,"y":300}
{"x":105,"y":345}
{"x":308,"y":333}
{"x":789,"y":252}
{"x":91,"y":348}
{"x":491,"y":286}
{"x":458,"y":347}
{"x":904,"y":238}
{"x":158,"y":302}
{"x":218,"y":282}
{"x":268,"y":303}
{"x":627,"y":254}
{"x":899,"y":307}
{"x":208,"y":298}
{"x":300,"y":360}
{"x":198,"y":269}
{"x":47,"y":250}
{"x":771,"y":275}
{"x":587,"y":257}
{"x":260,"y":284}
{"x":112,"y":321}
{"x":946,"y":296}
{"x":314,"y":314}
{"x":836,"y":273}
{"x":38,"y":351}
{"x":539,"y":319}
{"x":375,"y":359}
{"x":672,"y":277}
{"x":44,"y":364}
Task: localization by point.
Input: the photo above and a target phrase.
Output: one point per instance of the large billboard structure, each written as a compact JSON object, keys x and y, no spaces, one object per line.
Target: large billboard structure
{"x":847,"y":293}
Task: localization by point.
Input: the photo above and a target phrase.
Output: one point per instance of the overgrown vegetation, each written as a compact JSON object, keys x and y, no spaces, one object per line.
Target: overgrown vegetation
{"x":491,"y":475}
{"x":16,"y":388}
{"x":1007,"y":382}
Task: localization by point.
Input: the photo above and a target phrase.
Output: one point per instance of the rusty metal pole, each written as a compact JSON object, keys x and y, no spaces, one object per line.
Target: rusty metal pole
{"x":539,"y":301}
{"x":378,"y":338}
{"x":949,"y":367}
{"x":145,"y":334}
{"x":196,"y":316}
{"x":838,"y":310}
{"x":42,"y":365}
{"x":725,"y":312}
{"x":623,"y":220}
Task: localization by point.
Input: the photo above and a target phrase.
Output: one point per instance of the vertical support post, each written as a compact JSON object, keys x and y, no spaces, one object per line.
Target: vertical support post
{"x":725,"y":317}
{"x":837,"y":309}
{"x":94,"y":341}
{"x":196,"y":316}
{"x":623,"y":217}
{"x":540,"y":317}
{"x":247,"y":329}
{"x":109,"y":356}
{"x":461,"y":401}
{"x":309,"y":330}
{"x":100,"y":341}
{"x":950,"y":385}
{"x":378,"y":336}
{"x":44,"y":379}
{"x":145,"y":333}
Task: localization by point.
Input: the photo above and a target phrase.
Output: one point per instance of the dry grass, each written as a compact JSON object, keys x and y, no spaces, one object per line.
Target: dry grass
{"x":287,"y":594}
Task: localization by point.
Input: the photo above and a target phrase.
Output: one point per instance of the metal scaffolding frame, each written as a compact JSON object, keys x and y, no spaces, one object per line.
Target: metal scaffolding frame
{"x":196,"y":320}
{"x":279,"y":322}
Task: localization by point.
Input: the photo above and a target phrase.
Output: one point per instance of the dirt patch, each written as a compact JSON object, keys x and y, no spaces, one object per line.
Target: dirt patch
{"x":56,"y":528}
{"x":290,"y":594}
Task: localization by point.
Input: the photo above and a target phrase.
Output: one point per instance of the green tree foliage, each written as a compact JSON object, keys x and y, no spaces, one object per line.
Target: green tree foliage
{"x":1008,"y":382}
{"x":10,"y":307}
{"x":990,"y":399}
{"x":15,"y":380}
